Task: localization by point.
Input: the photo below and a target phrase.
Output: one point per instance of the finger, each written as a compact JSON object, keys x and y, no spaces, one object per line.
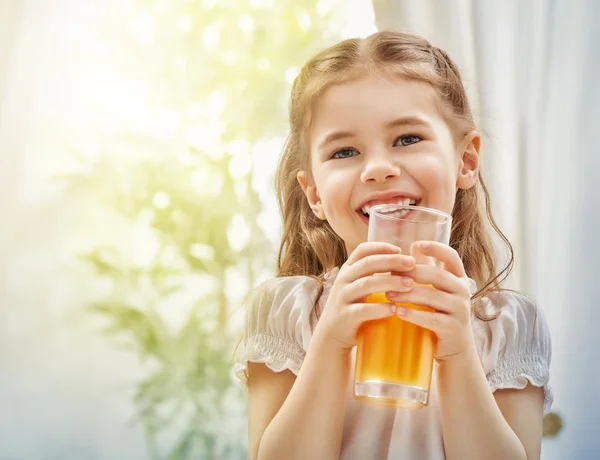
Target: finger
{"x":363,"y":287}
{"x":426,"y":296}
{"x":379,"y":263}
{"x":371,"y":247}
{"x":436,"y":322}
{"x":439,"y":278}
{"x":360,"y":312}
{"x":445,"y":254}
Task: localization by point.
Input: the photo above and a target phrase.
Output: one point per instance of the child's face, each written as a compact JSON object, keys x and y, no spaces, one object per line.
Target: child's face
{"x":375,"y":140}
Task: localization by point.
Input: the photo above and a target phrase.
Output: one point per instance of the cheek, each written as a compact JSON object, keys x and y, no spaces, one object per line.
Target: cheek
{"x":432,"y":170}
{"x":334,"y":190}
{"x":436,"y":176}
{"x":332,"y":183}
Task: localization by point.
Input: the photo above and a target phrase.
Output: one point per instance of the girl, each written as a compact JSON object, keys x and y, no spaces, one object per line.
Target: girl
{"x":374,"y":121}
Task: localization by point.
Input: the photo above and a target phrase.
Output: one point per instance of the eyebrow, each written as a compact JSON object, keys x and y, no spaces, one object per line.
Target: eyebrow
{"x":398,"y":122}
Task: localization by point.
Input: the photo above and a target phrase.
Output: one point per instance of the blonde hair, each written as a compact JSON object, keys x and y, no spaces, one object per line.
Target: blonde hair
{"x":309,"y":245}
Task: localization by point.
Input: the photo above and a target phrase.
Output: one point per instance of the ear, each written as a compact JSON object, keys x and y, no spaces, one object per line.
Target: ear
{"x":468,"y":166}
{"x":312,"y":195}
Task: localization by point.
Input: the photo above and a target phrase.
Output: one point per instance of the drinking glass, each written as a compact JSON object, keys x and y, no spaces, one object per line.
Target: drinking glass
{"x":394,"y":358}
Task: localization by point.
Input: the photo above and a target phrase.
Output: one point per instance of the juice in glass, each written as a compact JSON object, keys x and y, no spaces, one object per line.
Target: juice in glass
{"x":396,"y":355}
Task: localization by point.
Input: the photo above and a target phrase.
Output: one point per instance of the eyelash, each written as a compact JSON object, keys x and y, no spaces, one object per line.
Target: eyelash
{"x":347,"y":149}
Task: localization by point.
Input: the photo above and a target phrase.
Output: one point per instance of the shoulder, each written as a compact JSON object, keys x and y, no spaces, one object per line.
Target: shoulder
{"x":280,"y":317}
{"x":283,"y":289}
{"x":289,"y":295}
{"x":273,"y":303}
{"x":520,"y":323}
{"x":516,"y":346}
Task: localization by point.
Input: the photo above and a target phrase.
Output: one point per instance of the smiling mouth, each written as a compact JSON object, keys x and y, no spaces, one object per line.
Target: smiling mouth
{"x":365,"y":210}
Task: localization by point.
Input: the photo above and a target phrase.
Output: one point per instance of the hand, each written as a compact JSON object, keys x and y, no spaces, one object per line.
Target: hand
{"x":346,"y":309}
{"x":451,"y":300}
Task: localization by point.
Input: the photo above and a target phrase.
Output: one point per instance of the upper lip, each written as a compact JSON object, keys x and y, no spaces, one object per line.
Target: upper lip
{"x":385,"y":197}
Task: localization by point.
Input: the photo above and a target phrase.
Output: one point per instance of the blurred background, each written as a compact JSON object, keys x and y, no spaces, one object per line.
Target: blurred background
{"x":138,"y":141}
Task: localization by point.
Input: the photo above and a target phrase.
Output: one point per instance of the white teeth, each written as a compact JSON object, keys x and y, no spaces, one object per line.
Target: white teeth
{"x":403,"y":202}
{"x":407,"y":201}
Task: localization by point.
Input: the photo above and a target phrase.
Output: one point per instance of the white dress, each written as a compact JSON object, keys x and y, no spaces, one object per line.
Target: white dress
{"x":514,"y":349}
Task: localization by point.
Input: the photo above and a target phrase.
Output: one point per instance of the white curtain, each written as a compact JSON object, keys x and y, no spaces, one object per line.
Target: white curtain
{"x":10,"y":14}
{"x":531,"y":69}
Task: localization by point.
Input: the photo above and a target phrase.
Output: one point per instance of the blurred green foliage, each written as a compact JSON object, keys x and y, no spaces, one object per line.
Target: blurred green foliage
{"x":214,"y":79}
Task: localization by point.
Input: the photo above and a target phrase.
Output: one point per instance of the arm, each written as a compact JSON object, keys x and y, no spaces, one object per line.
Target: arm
{"x":477,"y":425}
{"x":303,"y":417}
{"x":307,"y":422}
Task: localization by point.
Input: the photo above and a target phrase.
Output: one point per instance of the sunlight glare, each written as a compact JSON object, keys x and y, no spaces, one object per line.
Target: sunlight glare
{"x":212,"y":35}
{"x":238,"y":233}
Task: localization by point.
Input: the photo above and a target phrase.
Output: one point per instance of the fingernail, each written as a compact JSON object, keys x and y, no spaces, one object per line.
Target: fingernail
{"x":425,"y":245}
{"x":401,"y":311}
{"x":409,"y":261}
{"x":407,"y":281}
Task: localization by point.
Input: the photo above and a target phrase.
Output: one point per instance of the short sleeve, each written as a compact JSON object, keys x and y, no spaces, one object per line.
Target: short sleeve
{"x":516,"y":347}
{"x":278,"y":325}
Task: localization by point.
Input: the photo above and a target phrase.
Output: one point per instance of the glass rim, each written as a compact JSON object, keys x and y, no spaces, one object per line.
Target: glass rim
{"x":447,"y":217}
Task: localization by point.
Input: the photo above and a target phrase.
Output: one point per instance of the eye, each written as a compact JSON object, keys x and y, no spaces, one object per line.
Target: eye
{"x":345,"y":153}
{"x":408,"y":140}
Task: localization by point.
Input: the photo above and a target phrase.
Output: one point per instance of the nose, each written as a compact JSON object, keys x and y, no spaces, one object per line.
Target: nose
{"x":379,"y":168}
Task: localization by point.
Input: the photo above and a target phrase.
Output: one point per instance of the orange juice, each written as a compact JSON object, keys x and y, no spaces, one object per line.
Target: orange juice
{"x":395,"y":354}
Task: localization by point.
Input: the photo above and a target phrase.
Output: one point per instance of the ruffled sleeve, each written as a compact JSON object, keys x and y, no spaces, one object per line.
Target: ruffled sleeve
{"x":278,"y":325}
{"x":516,"y":347}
